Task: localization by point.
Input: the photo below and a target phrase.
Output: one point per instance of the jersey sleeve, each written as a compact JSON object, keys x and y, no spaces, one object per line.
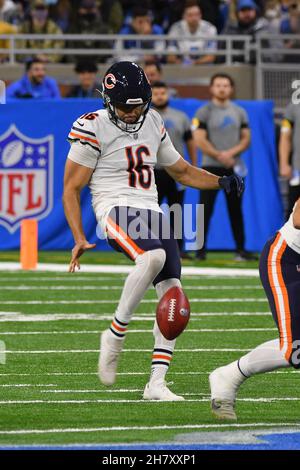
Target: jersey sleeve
{"x":83,"y":155}
{"x":288,"y":120}
{"x":167,"y":155}
{"x":200,"y":119}
{"x":83,"y":132}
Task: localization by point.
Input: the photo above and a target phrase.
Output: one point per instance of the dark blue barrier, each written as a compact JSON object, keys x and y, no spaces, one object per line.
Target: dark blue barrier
{"x":32,"y":134}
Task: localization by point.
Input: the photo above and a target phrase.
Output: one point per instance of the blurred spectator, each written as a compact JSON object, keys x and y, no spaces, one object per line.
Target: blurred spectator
{"x":233,"y":7}
{"x":248,"y":23}
{"x":210,"y":10}
{"x":88,"y":20}
{"x":154,"y":74}
{"x":7,"y":10}
{"x":87,"y":72}
{"x":112,"y":14}
{"x":153,"y":71}
{"x":39,"y":23}
{"x":141,"y":24}
{"x":222,"y":133}
{"x":34,"y":84}
{"x":290,"y":24}
{"x":196,"y":29}
{"x":17,"y":16}
{"x":275,"y":9}
{"x":61,"y":14}
{"x":166,"y":12}
{"x":5,"y":28}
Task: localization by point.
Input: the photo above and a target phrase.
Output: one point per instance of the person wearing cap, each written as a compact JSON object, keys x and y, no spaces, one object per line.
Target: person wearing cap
{"x":40,"y":23}
{"x":86,"y":71}
{"x":248,"y":23}
{"x":86,"y":21}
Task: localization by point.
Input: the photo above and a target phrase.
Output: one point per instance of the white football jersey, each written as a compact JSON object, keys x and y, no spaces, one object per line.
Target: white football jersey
{"x":291,"y":234}
{"x":123,"y":162}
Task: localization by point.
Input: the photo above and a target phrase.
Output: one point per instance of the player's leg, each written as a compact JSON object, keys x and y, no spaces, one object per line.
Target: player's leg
{"x":234,"y":204}
{"x":160,"y":181}
{"x":149,"y":257}
{"x":169,"y":276}
{"x":208,"y":199}
{"x":275,"y":354}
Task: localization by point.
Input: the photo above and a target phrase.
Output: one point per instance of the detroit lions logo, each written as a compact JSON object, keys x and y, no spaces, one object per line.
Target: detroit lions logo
{"x":227,"y":121}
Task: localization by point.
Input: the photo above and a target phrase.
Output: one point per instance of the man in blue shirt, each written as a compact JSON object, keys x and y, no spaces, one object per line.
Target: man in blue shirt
{"x":141,"y":24}
{"x":34,"y":84}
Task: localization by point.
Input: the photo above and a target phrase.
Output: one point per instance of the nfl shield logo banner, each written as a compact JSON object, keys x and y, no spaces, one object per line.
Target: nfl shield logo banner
{"x":26,"y":178}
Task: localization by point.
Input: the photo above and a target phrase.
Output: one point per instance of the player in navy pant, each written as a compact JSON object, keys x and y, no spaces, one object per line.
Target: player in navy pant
{"x":279,"y":270}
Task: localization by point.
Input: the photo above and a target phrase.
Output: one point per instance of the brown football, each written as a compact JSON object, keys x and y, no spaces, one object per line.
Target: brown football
{"x":173,"y":313}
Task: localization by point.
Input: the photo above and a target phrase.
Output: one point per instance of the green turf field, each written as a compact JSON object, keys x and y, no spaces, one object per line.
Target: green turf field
{"x":49,"y":381}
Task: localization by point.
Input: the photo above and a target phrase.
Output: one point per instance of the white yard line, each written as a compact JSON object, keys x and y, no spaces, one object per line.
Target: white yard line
{"x":114,"y":302}
{"x":27,"y":385}
{"x":113,"y":287}
{"x":92,"y":332}
{"x":124,"y":269}
{"x":144,"y":402}
{"x":145,"y":428}
{"x":75,"y":374}
{"x":86,"y":351}
{"x":67,"y":277}
{"x":26,"y":317}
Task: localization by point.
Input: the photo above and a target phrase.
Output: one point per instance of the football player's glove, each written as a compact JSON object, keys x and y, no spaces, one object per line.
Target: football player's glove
{"x":125,"y":83}
{"x":232,"y":183}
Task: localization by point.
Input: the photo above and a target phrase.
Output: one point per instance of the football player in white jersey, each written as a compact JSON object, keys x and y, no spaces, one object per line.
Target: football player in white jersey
{"x":279,"y":270}
{"x":114,"y":151}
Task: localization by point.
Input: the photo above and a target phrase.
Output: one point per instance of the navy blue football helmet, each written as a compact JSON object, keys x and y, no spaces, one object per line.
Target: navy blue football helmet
{"x":125,"y":83}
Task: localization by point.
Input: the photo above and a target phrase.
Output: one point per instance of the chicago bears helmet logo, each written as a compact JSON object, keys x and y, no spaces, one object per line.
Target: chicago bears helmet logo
{"x":110,"y":81}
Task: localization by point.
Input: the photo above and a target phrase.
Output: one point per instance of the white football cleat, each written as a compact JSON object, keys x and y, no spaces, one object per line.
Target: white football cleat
{"x":158,"y":390}
{"x":223,"y":393}
{"x":110,"y":349}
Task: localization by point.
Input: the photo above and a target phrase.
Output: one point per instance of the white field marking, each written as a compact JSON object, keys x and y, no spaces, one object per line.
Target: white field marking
{"x":144,"y":301}
{"x":86,"y":351}
{"x":27,"y":385}
{"x":125,"y":269}
{"x":62,"y":278}
{"x":117,"y":401}
{"x":15,"y":317}
{"x":117,"y":278}
{"x":10,"y":313}
{"x":92,"y":332}
{"x":145,"y":428}
{"x":121,"y":390}
{"x":112,"y":287}
{"x":49,"y":374}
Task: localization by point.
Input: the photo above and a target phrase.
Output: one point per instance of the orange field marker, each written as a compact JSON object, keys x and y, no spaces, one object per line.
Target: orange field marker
{"x":29,"y":244}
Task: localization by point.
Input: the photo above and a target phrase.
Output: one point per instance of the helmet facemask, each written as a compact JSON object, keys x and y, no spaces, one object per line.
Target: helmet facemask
{"x":114,"y":117}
